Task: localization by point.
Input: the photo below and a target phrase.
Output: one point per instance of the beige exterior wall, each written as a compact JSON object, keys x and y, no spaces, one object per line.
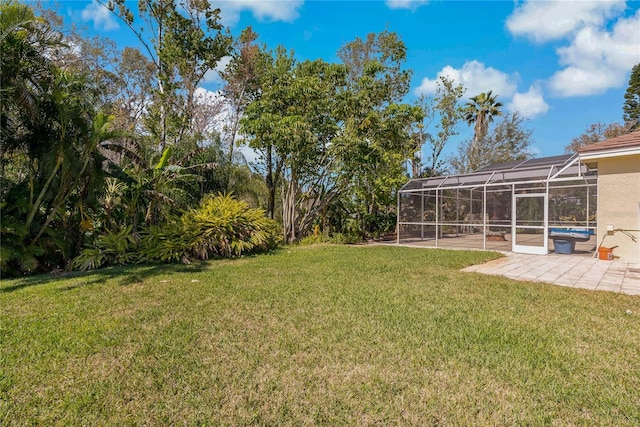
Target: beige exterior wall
{"x":619,"y":204}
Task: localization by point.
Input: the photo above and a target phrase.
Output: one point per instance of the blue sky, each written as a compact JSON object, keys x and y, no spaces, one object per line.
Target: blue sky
{"x":562,"y":64}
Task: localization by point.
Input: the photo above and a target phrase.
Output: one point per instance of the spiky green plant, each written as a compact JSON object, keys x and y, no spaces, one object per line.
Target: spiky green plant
{"x":110,"y":248}
{"x":227,"y":227}
{"x":221,"y":226}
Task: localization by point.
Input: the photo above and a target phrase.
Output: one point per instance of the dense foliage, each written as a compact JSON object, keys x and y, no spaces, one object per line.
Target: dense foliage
{"x":631,"y":107}
{"x":52,"y":170}
{"x":111,"y":156}
{"x":221,"y":226}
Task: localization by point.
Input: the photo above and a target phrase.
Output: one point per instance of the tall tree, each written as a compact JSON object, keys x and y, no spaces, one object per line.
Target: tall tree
{"x":442,"y":114}
{"x":631,"y":106}
{"x":273,"y":78}
{"x":80,"y":53}
{"x":480,"y":112}
{"x":293,"y":125}
{"x":134,"y":83}
{"x":184,"y":39}
{"x":242,"y":77}
{"x":376,"y":127}
{"x":509,"y":139}
{"x":595,"y":132}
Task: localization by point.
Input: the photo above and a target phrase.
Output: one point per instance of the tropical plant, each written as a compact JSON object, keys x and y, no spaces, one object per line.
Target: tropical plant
{"x":221,"y":226}
{"x":507,"y":140}
{"x":110,"y":248}
{"x":52,"y":171}
{"x":227,"y":227}
{"x":480,"y":112}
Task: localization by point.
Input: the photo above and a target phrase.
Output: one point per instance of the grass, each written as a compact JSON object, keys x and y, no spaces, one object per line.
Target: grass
{"x":327,"y":335}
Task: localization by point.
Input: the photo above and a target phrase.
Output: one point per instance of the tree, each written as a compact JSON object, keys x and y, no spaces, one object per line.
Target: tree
{"x":185,"y":41}
{"x":50,"y":132}
{"x":595,"y":133}
{"x":444,"y":108}
{"x":133,"y":85}
{"x":508,"y":140}
{"x":376,"y":128}
{"x":91,"y":56}
{"x":274,"y":76}
{"x":480,"y":112}
{"x":631,"y":106}
{"x":242,"y":77}
{"x":293,"y":125}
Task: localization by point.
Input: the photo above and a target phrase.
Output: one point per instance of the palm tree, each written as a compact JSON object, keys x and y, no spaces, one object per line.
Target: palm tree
{"x":51,"y":168}
{"x":480,"y":112}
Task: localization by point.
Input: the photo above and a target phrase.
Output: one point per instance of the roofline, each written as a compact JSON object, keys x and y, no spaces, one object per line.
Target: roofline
{"x":570,"y":160}
{"x":605,"y":153}
{"x":502,"y":183}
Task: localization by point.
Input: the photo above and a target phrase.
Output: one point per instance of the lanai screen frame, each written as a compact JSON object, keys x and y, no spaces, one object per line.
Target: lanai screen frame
{"x":520,"y":177}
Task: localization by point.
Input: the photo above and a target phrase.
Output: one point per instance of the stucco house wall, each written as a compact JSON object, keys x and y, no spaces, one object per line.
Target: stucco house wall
{"x":619,"y":205}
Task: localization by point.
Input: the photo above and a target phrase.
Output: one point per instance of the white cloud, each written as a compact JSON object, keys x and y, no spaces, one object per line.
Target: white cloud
{"x":213,"y":76}
{"x":213,"y":112}
{"x":219,"y":120}
{"x":549,"y":20}
{"x":102,"y":18}
{"x":207,"y":97}
{"x":476,"y":78}
{"x":263,"y":10}
{"x":529,"y":104}
{"x":405,"y":4}
{"x":597,"y":59}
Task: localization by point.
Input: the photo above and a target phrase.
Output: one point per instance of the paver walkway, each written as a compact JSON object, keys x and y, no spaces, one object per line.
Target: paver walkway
{"x":567,"y":270}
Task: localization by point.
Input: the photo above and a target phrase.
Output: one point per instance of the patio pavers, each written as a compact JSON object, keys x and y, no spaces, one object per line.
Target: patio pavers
{"x":566,"y":270}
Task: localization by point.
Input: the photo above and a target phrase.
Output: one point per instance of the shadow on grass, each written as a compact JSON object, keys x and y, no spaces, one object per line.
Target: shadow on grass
{"x":126,"y":275}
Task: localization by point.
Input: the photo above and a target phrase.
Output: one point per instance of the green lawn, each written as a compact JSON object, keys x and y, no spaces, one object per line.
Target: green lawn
{"x":328,"y":335}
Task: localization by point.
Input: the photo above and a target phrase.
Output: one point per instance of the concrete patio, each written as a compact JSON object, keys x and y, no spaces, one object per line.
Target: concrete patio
{"x":567,"y":270}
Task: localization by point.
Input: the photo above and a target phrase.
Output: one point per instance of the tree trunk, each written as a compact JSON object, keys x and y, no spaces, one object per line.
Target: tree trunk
{"x":235,"y":124}
{"x":271,"y":185}
{"x":415,"y":168}
{"x":289,"y":210}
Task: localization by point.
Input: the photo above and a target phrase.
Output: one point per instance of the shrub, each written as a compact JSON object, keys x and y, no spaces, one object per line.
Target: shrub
{"x":227,"y":227}
{"x":344,"y":239}
{"x":109,"y":249}
{"x":166,"y":243}
{"x":312,"y":240}
{"x":221,"y":226}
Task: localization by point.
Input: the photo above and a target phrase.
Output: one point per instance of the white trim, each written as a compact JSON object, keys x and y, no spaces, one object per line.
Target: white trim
{"x":569,"y":164}
{"x":604,"y":153}
{"x":501,"y":184}
{"x":524,"y":249}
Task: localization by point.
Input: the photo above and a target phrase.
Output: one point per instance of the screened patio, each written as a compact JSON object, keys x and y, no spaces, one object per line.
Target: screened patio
{"x":519,"y":206}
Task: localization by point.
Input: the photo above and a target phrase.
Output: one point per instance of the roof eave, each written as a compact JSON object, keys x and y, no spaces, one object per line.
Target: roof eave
{"x":611,"y":152}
